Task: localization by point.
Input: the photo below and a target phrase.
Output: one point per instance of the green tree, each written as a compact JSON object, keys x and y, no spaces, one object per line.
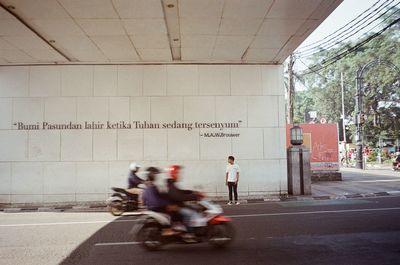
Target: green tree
{"x":382,"y":100}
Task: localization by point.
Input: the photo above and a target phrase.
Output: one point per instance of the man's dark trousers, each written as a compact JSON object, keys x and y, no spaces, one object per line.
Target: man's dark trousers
{"x":232,"y":186}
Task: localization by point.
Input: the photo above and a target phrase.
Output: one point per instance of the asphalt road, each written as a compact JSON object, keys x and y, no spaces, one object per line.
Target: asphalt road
{"x":357,"y":231}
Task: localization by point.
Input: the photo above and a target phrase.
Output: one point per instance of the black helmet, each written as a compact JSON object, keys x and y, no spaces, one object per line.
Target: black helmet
{"x":153,"y":170}
{"x":151,"y":173}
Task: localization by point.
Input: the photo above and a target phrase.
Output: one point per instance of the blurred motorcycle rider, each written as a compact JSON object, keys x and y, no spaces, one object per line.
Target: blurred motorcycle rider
{"x":134,"y":181}
{"x":398,"y":157}
{"x":156,"y":201}
{"x":396,"y":163}
{"x":179,"y":196}
{"x":152,"y":198}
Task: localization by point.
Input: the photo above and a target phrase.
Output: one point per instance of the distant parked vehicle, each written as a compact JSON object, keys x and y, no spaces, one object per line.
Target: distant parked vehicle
{"x":396,"y":166}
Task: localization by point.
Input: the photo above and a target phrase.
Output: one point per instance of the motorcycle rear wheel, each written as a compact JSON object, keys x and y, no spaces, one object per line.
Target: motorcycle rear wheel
{"x":221,"y":235}
{"x":116,"y":209}
{"x":150,"y":236}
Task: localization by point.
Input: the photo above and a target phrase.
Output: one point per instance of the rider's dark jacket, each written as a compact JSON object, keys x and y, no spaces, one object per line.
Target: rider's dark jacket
{"x":134,"y":180}
{"x":153,"y":199}
{"x":178,"y":196}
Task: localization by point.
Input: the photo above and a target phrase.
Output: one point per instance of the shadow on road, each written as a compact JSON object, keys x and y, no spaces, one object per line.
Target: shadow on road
{"x":336,"y":238}
{"x":116,"y":231}
{"x":113,"y":244}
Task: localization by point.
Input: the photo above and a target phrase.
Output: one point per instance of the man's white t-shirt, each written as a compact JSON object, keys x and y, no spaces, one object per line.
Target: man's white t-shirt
{"x":232,"y":172}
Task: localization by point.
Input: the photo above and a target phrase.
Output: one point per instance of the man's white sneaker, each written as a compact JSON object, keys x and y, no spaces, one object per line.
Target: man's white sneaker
{"x":230,"y":203}
{"x":237,"y":203}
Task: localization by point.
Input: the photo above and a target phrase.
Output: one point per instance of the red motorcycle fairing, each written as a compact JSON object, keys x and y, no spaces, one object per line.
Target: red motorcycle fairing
{"x":220,"y":219}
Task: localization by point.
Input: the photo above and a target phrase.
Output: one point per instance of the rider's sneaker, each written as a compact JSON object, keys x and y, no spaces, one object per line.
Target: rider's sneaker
{"x":169,"y":232}
{"x":189,"y":238}
{"x":179,"y":227}
{"x":230,"y":203}
{"x":237,"y":203}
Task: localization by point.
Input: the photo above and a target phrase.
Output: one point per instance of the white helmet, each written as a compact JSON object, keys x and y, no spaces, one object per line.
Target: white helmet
{"x":134,"y":166}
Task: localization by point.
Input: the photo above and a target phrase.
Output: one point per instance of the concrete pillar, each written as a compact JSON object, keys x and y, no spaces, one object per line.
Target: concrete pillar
{"x":299,"y":171}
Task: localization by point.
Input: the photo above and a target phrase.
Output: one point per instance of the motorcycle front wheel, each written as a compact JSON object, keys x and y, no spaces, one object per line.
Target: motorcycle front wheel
{"x":221,"y":235}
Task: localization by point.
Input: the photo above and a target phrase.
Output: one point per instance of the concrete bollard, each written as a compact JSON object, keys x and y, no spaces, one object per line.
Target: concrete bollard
{"x":299,"y":170}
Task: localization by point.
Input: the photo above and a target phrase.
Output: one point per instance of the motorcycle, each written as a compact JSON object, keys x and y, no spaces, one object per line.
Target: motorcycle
{"x":211,"y":226}
{"x":122,"y":201}
{"x":396,"y":166}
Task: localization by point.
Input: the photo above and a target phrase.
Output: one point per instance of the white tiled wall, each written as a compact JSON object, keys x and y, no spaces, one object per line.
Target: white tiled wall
{"x":214,"y":80}
{"x":5,"y":113}
{"x":119,"y":109}
{"x":166,"y":109}
{"x":35,"y":107}
{"x":76,"y":145}
{"x":231,"y":109}
{"x":130,"y":80}
{"x":104,"y":145}
{"x":14,"y":81}
{"x":155,"y":80}
{"x":92,"y":109}
{"x":105,"y":80}
{"x":44,"y":145}
{"x":76,"y":81}
{"x":130,"y":144}
{"x":155,"y":144}
{"x":212,"y":148}
{"x":45,"y":81}
{"x":60,"y":109}
{"x":68,"y":165}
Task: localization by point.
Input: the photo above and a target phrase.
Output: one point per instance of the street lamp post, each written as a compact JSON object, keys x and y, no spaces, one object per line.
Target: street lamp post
{"x":299,"y":169}
{"x":296,"y":135}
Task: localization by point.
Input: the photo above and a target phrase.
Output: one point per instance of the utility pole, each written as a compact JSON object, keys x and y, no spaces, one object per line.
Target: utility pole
{"x":359,"y":114}
{"x":343,"y":115}
{"x":290,"y":92}
{"x":360,"y":118}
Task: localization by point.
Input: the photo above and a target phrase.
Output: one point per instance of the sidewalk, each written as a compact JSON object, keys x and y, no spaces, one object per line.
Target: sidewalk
{"x":360,"y":183}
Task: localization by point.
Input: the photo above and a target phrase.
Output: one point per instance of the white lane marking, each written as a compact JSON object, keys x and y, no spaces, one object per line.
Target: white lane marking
{"x":232,"y":216}
{"x":68,"y":223}
{"x":376,"y":180}
{"x":117,"y":243}
{"x":315,"y":212}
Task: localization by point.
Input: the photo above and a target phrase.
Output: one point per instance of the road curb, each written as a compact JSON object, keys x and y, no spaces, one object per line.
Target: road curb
{"x":341,"y":197}
{"x":101,"y":207}
{"x":12,"y":210}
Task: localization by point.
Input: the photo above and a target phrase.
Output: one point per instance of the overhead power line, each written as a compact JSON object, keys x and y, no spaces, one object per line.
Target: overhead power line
{"x":376,"y":26}
{"x":343,"y":27}
{"x":325,"y":77}
{"x":351,"y":50}
{"x":350,"y":29}
{"x":366,"y":24}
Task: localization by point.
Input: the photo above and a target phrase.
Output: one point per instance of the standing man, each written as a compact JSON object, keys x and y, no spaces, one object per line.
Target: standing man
{"x":232,"y":179}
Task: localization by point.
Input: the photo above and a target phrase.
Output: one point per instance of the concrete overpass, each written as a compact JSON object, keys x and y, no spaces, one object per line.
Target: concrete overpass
{"x":155,"y":62}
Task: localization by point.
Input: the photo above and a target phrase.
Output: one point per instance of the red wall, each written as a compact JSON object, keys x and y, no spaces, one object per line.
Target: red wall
{"x":322,"y":139}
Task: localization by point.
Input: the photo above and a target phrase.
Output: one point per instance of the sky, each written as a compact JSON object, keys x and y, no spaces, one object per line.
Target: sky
{"x":344,"y":13}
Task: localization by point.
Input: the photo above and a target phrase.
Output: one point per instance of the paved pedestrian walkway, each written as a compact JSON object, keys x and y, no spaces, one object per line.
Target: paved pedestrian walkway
{"x":360,"y":182}
{"x":355,"y":184}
